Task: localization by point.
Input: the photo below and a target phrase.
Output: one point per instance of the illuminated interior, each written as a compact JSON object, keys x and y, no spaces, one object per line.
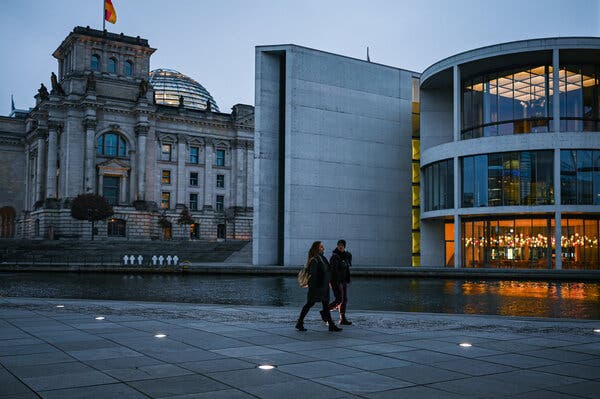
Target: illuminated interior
{"x":169,"y":85}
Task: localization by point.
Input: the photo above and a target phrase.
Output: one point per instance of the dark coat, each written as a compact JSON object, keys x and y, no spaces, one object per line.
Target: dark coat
{"x":340,"y":267}
{"x":320,"y":276}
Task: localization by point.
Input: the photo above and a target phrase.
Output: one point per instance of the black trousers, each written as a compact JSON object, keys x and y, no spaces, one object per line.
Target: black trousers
{"x":341,"y":297}
{"x":310,"y":304}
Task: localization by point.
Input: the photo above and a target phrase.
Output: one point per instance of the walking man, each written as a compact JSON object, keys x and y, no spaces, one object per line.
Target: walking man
{"x":340,"y":262}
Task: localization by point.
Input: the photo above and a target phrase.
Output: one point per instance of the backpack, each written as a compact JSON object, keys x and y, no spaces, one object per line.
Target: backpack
{"x":303,"y":277}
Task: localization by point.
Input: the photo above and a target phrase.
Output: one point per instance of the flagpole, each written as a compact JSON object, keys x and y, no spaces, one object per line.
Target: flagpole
{"x":103,"y":15}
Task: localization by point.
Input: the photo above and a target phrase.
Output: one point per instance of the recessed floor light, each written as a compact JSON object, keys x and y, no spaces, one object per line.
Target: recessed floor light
{"x":60,"y":306}
{"x":266,"y":367}
{"x":100,"y":318}
{"x":597,"y":330}
{"x":465,"y":345}
{"x":160,"y":335}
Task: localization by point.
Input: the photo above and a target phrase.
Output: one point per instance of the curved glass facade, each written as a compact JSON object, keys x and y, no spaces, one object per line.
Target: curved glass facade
{"x":507,"y":102}
{"x":529,"y":242}
{"x":507,"y":179}
{"x":439,"y":185}
{"x":579,"y":98}
{"x":580,"y":177}
{"x":169,"y":85}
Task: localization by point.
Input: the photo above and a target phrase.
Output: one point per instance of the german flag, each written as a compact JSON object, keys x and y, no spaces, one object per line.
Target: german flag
{"x":109,"y":12}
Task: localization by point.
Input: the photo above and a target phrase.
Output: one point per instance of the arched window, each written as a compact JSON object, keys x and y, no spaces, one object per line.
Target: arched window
{"x":128,"y":68}
{"x":112,"y":145}
{"x":116,"y":228}
{"x":112,"y":65}
{"x":95,"y":62}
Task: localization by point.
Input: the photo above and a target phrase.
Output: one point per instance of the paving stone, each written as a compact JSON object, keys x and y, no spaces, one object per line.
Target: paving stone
{"x":535,"y":379}
{"x":122,"y":362}
{"x":424,"y":356}
{"x":520,"y":361}
{"x":587,"y":389}
{"x":573,"y":370}
{"x":381,"y":348}
{"x":68,"y":380}
{"x":103,"y":353}
{"x":43,"y":370}
{"x":223,"y":394}
{"x":295,"y":389}
{"x":251,"y":377}
{"x":26,"y":349}
{"x":415,"y":392}
{"x":37,"y":358}
{"x":540,"y":394}
{"x":120,"y":391}
{"x":180,"y":385}
{"x":147,"y":372}
{"x":317,"y":369}
{"x":226,"y":364}
{"x":278,"y":358}
{"x":372,"y":362}
{"x":482,"y":387}
{"x":247,"y":351}
{"x":473,"y":367}
{"x":421,"y":374}
{"x":561,"y":355}
{"x":364,"y":382}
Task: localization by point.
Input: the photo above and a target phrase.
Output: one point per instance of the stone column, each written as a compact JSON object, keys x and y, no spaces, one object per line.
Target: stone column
{"x":52,"y":157}
{"x":123,"y":189}
{"x":457,"y":222}
{"x":240,"y":176}
{"x":39,"y":170}
{"x":456,"y":94}
{"x":558,"y":242}
{"x":181,"y":156}
{"x":250,"y":175}
{"x":555,"y":94}
{"x":141,"y":131}
{"x":100,"y":183}
{"x":209,"y":152}
{"x":89,"y":180}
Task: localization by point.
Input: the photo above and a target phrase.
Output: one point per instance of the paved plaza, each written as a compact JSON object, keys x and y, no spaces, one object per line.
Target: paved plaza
{"x":109,"y":349}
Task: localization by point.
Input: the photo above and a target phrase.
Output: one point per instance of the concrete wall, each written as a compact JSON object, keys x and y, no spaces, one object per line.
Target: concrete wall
{"x":12,"y":163}
{"x":347,"y":157}
{"x":432,"y":231}
{"x":436,"y":117}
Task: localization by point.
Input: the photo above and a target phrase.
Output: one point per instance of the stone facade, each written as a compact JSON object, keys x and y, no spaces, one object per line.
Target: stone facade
{"x":98,"y":130}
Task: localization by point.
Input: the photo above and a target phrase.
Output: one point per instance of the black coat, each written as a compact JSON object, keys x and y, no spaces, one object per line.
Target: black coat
{"x":320,"y":277}
{"x":340,"y":267}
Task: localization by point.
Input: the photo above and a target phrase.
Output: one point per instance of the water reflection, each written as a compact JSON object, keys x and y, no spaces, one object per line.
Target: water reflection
{"x":500,"y":297}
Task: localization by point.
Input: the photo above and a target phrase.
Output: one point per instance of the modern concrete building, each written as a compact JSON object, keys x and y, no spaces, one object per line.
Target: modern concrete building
{"x":510,"y":141}
{"x":151,"y":142}
{"x":333,"y":157}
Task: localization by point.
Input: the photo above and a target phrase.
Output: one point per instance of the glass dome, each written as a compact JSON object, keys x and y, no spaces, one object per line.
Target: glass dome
{"x":169,"y":85}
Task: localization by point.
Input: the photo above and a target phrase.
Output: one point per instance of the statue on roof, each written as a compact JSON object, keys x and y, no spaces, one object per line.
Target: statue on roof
{"x":143,"y":89}
{"x":43,"y":92}
{"x":56,"y":87}
{"x":90,"y":84}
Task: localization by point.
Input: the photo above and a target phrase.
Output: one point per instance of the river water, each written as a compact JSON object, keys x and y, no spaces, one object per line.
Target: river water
{"x":580,"y":300}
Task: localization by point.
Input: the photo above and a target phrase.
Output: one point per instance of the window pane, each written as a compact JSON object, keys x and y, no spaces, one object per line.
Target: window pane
{"x":220,"y":203}
{"x":95,"y":64}
{"x":166,"y":177}
{"x":468,"y":181}
{"x":194,"y":202}
{"x":495,"y":179}
{"x":220,"y":181}
{"x":110,"y":189}
{"x":568,"y":177}
{"x":584,"y":177}
{"x":128,"y":68}
{"x":165,"y":154}
{"x":122,"y":147}
{"x":112,"y":65}
{"x":193,"y":179}
{"x":165,"y":200}
{"x":596,"y":177}
{"x":100,"y":149}
{"x":110,"y":144}
{"x":193,"y":154}
{"x":220,"y":157}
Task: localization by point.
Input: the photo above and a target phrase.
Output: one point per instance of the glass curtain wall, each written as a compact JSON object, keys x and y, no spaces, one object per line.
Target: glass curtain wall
{"x":579,"y":242}
{"x":507,"y":102}
{"x":579,"y":97}
{"x":508,"y":242}
{"x":509,"y":178}
{"x":580,"y":177}
{"x":439,"y":185}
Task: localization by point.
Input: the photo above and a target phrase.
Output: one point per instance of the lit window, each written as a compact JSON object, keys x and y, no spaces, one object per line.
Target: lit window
{"x":112,"y":65}
{"x":220,"y":157}
{"x":116,"y":228}
{"x":165,"y":200}
{"x":194,"y":154}
{"x":112,"y":144}
{"x":194,"y":202}
{"x":95,"y":63}
{"x":220,"y":181}
{"x":128,"y":68}
{"x":220,"y":202}
{"x":166,"y":177}
{"x":193,"y":178}
{"x":165,"y":152}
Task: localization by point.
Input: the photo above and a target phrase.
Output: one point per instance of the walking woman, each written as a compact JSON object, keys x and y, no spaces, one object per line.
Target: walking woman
{"x":318,"y":286}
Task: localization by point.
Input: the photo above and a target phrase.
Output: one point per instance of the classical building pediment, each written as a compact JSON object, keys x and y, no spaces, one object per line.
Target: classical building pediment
{"x":114,"y":165}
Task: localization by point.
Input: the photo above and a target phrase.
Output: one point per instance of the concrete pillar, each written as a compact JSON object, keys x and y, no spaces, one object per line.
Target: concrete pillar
{"x":100,"y":183}
{"x":557,"y":237}
{"x":27,"y":202}
{"x":181,"y":155}
{"x":555,"y":94}
{"x":89,"y":180}
{"x":456,"y":94}
{"x":240,"y":181}
{"x":123,"y":189}
{"x":209,"y":153}
{"x":51,"y":160}
{"x":39,"y":170}
{"x":141,"y":131}
{"x":458,"y":248}
{"x":250,"y":175}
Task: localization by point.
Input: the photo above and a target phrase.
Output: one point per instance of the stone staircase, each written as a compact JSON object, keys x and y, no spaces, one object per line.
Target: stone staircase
{"x":35,"y":251}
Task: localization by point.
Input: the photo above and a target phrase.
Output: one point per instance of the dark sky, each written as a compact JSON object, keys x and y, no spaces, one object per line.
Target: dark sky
{"x":213,"y":41}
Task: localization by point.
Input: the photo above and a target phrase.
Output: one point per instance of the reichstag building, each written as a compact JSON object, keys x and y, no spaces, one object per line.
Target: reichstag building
{"x":151,"y":142}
